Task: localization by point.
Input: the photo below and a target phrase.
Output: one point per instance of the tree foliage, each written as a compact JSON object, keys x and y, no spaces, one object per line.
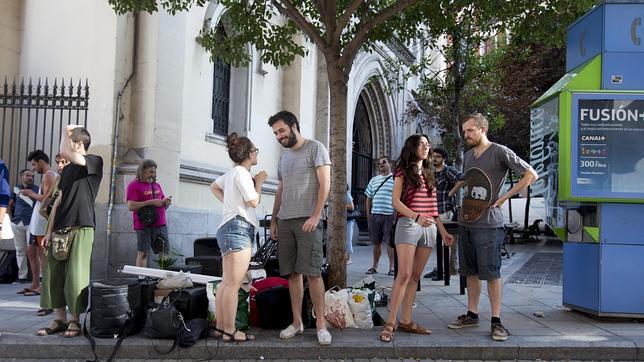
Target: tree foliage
{"x":339,"y":29}
{"x":503,"y":82}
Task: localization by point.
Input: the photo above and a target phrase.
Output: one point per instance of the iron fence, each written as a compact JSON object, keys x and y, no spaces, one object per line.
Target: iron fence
{"x":33,"y":116}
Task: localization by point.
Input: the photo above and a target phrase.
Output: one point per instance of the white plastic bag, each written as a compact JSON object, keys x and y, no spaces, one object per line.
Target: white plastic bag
{"x":175,"y":281}
{"x":360,"y":308}
{"x":7,"y":232}
{"x":336,"y":309}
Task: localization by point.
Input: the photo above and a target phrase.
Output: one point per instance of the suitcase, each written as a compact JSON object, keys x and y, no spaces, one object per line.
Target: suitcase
{"x":274,"y":308}
{"x":210,"y":264}
{"x":259,"y":286}
{"x":191,"y":302}
{"x":148,"y":285}
{"x":8,"y":267}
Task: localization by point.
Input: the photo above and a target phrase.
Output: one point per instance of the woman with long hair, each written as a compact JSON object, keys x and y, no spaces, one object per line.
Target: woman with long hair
{"x":414,"y":198}
{"x":240,"y":194}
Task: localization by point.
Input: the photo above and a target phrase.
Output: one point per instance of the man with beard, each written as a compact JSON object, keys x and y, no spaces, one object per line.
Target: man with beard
{"x":35,"y":251}
{"x":66,"y":282}
{"x":480,"y":232}
{"x":304,"y":174}
{"x":446,"y":178}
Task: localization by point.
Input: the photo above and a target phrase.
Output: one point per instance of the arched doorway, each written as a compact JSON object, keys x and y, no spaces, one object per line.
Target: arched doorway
{"x":362,"y":158}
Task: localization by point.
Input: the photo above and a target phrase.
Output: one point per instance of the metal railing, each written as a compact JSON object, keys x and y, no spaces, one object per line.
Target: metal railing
{"x":33,"y":116}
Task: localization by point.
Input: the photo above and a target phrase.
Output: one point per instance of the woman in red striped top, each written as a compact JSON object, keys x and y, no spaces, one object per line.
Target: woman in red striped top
{"x":414,"y":198}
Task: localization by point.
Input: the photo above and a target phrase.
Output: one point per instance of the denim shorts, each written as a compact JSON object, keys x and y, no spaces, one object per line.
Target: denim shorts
{"x":479,"y":252}
{"x":410,"y":232}
{"x":235,"y":235}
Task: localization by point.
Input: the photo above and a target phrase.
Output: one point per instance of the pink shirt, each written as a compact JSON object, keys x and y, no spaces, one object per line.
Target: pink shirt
{"x":142,"y":191}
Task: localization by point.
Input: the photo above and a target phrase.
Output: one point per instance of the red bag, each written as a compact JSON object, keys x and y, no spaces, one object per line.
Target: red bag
{"x":259,"y":286}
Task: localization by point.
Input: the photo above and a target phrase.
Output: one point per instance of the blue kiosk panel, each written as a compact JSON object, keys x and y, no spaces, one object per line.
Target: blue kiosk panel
{"x":622,"y":224}
{"x":622,"y":71}
{"x":622,"y":279}
{"x":624,"y":28}
{"x":581,"y":275}
{"x":584,"y":39}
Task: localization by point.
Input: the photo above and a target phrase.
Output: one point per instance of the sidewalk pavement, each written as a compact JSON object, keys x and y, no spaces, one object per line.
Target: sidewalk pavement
{"x":560,"y":334}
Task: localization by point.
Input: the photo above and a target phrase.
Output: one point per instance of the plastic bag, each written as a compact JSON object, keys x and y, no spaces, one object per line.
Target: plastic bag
{"x":361,"y":308}
{"x":241,"y":320}
{"x":176,"y":281}
{"x":336,"y":308}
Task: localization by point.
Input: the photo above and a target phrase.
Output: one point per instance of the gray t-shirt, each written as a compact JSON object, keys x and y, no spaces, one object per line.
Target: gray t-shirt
{"x":484,"y":177}
{"x":296,"y":171}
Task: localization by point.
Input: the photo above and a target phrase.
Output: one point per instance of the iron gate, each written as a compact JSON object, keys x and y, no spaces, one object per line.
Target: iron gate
{"x":33,"y":116}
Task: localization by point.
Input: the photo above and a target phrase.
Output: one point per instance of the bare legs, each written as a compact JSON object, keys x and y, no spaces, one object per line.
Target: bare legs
{"x":235,"y":265}
{"x":411,"y":262}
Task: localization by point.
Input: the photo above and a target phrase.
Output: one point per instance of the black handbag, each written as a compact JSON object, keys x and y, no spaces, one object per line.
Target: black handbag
{"x":354,"y":214}
{"x":148,"y":215}
{"x":195,"y":330}
{"x":163,"y":320}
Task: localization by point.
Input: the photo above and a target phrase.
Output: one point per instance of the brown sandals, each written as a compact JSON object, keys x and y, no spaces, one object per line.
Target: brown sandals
{"x":56,"y":326}
{"x":413,"y":327}
{"x":387,"y":334}
{"x":73,"y":329}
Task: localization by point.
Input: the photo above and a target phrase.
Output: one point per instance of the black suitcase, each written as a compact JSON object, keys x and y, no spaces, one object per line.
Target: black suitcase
{"x":148,"y":285}
{"x":191,"y":302}
{"x":8,"y":267}
{"x":274,"y":308}
{"x":210,"y":264}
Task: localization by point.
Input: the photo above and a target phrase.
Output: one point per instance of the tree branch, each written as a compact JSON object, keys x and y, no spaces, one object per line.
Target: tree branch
{"x":327,"y":14}
{"x":365,"y":28}
{"x":344,"y":19}
{"x":290,"y":11}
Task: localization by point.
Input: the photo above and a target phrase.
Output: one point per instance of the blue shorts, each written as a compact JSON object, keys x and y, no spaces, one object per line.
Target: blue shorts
{"x":235,"y":235}
{"x":479,"y":252}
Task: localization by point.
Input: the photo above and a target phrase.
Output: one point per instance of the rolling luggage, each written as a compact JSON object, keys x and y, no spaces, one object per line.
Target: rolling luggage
{"x":8,"y":267}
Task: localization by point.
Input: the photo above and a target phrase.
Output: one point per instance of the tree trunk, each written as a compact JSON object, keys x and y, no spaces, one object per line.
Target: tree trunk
{"x":336,"y":248}
{"x":457,"y":78}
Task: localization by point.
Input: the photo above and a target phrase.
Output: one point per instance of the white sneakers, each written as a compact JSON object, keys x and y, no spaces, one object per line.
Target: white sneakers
{"x":291,"y":331}
{"x":324,"y":337}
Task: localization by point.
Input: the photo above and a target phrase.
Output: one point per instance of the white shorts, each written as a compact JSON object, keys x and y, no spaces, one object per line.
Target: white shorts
{"x":409,"y":232}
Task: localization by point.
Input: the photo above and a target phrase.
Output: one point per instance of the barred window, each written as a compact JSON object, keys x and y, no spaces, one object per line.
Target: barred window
{"x":221,"y":93}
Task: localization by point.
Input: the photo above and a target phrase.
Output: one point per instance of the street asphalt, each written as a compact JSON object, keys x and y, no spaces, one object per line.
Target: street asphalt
{"x":541,"y":328}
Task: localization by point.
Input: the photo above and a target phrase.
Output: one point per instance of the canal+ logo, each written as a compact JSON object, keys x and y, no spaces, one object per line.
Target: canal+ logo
{"x":593,"y":138}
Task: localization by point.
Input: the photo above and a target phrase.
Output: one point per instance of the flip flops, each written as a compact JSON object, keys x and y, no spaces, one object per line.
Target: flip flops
{"x":24,"y":290}
{"x":44,"y":311}
{"x":371,"y":271}
{"x":56,"y":326}
{"x":31,"y":293}
{"x":391,"y":272}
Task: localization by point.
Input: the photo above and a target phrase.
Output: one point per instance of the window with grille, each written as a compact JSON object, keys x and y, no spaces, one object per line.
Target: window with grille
{"x":220,"y":93}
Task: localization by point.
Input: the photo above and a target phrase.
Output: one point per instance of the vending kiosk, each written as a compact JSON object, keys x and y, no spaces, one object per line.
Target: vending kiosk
{"x":587,"y":145}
